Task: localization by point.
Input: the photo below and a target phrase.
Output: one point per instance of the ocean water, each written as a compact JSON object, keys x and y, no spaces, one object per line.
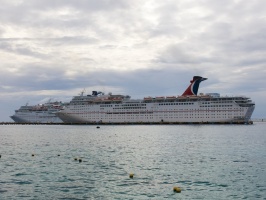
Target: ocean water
{"x":205,"y":161}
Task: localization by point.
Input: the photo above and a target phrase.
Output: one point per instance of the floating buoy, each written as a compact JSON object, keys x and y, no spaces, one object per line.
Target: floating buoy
{"x":58,"y":155}
{"x":75,"y":159}
{"x":80,"y":160}
{"x":0,"y":156}
{"x":32,"y":155}
{"x":98,"y":127}
{"x":177,"y":189}
{"x":131,"y":175}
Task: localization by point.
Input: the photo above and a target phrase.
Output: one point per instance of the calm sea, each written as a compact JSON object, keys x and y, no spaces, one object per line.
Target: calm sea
{"x":205,"y":161}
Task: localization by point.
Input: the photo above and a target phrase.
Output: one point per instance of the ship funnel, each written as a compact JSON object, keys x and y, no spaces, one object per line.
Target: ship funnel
{"x":94,"y":93}
{"x":194,"y":86}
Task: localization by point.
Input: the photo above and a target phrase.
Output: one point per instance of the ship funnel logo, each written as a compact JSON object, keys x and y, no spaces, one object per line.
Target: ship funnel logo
{"x":194,"y":86}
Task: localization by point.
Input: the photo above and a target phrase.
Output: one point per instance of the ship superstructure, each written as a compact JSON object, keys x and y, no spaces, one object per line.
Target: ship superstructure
{"x":187,"y":108}
{"x":41,"y":113}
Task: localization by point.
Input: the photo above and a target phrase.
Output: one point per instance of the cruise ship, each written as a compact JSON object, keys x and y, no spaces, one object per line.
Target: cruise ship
{"x":186,"y":108}
{"x":41,"y":113}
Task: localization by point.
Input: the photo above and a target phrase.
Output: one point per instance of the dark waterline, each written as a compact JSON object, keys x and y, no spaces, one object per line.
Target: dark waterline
{"x":205,"y":161}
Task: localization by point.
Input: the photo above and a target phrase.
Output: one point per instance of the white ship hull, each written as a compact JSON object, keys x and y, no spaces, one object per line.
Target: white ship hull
{"x":35,"y":118}
{"x":167,"y":111}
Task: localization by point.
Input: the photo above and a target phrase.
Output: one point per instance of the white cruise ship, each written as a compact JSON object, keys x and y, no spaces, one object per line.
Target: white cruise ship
{"x":41,"y":113}
{"x":187,"y":108}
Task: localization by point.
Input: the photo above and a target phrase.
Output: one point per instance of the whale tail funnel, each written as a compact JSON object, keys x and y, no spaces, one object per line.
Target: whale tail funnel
{"x":194,"y":86}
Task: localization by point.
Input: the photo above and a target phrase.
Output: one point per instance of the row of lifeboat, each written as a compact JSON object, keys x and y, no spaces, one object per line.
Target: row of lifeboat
{"x":175,"y":97}
{"x":45,"y":108}
{"x":159,"y":98}
{"x":108,"y":99}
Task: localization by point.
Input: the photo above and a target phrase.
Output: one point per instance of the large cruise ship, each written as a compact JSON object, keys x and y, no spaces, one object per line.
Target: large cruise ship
{"x":41,"y":113}
{"x":187,"y":108}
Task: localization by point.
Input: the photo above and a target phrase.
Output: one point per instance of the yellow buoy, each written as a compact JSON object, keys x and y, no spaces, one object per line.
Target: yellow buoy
{"x":131,"y":175}
{"x":177,"y":189}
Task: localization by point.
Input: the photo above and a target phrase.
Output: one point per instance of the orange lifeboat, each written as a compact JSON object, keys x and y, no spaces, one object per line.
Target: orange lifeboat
{"x":159,"y":98}
{"x":147,"y":98}
{"x":171,"y":97}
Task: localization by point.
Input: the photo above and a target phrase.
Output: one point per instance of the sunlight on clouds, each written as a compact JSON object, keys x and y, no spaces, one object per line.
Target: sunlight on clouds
{"x":148,"y":8}
{"x":71,"y":74}
{"x":13,"y":70}
{"x":64,"y":14}
{"x":196,"y":12}
{"x":15,"y":31}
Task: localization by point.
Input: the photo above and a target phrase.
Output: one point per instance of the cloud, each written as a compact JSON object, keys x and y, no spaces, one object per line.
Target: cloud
{"x":57,"y":48}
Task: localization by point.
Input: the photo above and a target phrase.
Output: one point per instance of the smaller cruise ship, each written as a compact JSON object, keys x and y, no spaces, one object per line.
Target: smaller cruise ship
{"x":41,"y":113}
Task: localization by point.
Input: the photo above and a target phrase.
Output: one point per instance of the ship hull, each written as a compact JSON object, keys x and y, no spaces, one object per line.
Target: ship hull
{"x":152,"y":113}
{"x":18,"y":119}
{"x":31,"y":118}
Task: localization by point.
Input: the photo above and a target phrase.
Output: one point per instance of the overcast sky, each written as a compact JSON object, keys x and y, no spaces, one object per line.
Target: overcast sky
{"x":56,"y":48}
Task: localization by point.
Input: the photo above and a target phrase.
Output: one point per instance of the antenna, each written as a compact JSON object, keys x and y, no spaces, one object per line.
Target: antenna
{"x":82,"y":92}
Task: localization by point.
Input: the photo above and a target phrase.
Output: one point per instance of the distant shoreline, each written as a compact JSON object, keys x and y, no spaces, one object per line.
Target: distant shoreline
{"x":259,"y":120}
{"x":129,"y":123}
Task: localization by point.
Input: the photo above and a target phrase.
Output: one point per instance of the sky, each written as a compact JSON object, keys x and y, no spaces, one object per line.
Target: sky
{"x":54,"y":49}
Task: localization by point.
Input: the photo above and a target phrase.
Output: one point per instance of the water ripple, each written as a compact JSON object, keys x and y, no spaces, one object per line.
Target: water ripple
{"x":207,"y":162}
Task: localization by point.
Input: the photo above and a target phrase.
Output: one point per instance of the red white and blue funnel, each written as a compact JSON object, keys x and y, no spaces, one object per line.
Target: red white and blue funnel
{"x":194,"y":86}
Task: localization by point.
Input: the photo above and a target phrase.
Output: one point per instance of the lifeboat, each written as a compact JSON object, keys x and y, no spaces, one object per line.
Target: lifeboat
{"x":182,"y":97}
{"x":117,"y":99}
{"x":147,"y":98}
{"x":106,"y":100}
{"x":159,"y":98}
{"x":193,"y":97}
{"x":171,"y":97}
{"x":97,"y":100}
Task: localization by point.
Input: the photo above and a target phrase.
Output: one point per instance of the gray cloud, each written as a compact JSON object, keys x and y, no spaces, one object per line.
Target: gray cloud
{"x":57,"y":48}
{"x":20,"y":49}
